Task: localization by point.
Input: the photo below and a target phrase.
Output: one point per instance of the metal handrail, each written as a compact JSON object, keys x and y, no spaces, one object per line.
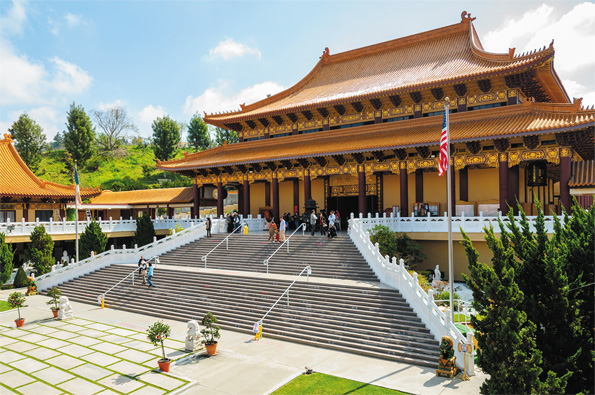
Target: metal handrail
{"x":266,"y":261}
{"x":226,"y":240}
{"x":101,"y":297}
{"x":308,"y":270}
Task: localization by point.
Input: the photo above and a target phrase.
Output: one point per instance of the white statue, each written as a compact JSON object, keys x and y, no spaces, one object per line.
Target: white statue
{"x":437,"y":275}
{"x":65,"y":257}
{"x":65,"y":311}
{"x":193,"y":337}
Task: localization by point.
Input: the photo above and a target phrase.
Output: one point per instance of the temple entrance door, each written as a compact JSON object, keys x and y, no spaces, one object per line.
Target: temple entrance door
{"x":349,"y":204}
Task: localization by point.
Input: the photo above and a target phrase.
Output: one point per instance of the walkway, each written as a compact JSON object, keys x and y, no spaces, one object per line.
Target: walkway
{"x":106,"y":346}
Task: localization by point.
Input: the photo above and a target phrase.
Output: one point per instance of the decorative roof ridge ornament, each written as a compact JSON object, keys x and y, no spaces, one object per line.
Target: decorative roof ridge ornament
{"x":466,"y":17}
{"x":325,"y":54}
{"x":511,"y":53}
{"x":7,"y":138}
{"x":577,"y":103}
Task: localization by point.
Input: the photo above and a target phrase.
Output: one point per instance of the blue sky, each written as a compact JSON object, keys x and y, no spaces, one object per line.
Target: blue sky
{"x":179,"y":57}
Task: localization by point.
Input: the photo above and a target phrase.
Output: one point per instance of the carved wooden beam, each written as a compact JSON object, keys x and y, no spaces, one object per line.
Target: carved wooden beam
{"x":278,"y":119}
{"x":424,"y":151}
{"x":359,"y":158}
{"x":357,"y":106}
{"x":264,"y":122}
{"x":251,"y":124}
{"x":395,"y":100}
{"x":323,"y":111}
{"x":308,"y":115}
{"x":416,"y":97}
{"x":400,"y":153}
{"x":460,"y":89}
{"x":340,"y":109}
{"x":529,"y":84}
{"x":438,"y":93}
{"x":501,"y":144}
{"x":474,"y":147}
{"x":340,"y":159}
{"x":292,"y":117}
{"x":376,"y":103}
{"x":484,"y":85}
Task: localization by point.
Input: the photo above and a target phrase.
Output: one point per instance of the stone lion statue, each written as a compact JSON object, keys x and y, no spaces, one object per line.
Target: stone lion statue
{"x":193,"y":337}
{"x":65,"y":311}
{"x":446,"y":349}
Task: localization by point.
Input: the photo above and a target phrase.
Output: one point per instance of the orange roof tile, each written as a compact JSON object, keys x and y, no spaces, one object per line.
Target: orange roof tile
{"x":583,"y":174}
{"x":146,"y":196}
{"x":508,"y":121}
{"x":447,"y":55}
{"x":17,"y":180}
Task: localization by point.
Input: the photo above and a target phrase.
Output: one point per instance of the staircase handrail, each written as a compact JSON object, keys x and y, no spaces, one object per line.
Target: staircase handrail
{"x":226,"y":240}
{"x":102,"y":296}
{"x":266,"y":261}
{"x":308,"y":270}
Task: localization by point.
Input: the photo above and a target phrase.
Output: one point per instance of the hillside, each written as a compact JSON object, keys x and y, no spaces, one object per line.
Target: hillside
{"x":129,"y":167}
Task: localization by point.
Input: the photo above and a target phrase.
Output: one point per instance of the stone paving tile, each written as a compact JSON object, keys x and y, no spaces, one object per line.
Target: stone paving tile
{"x":121,"y":332}
{"x":9,"y":356}
{"x":75,"y":350}
{"x":38,"y":388}
{"x":20,"y":346}
{"x":28,"y":365}
{"x":73,"y":328}
{"x":64,"y":335}
{"x":91,"y":333}
{"x":79,"y":321}
{"x":134,"y":356}
{"x":64,"y":361}
{"x":4,"y":340}
{"x":33,"y":338}
{"x":121,"y":383}
{"x":56,"y":323}
{"x":100,"y":358}
{"x":52,"y":375}
{"x":14,"y":333}
{"x":108,"y":392}
{"x":139,"y":336}
{"x":161,"y":380}
{"x":42,"y":353}
{"x":100,"y":327}
{"x":43,"y":330}
{"x":108,"y":347}
{"x":128,"y":368}
{"x":13,"y":379}
{"x":53,"y":343}
{"x":84,"y":341}
{"x":79,"y":386}
{"x":138,"y":345}
{"x":115,"y":339}
{"x":159,"y":352}
{"x":4,"y":368}
{"x":148,"y":390}
{"x":91,"y":372}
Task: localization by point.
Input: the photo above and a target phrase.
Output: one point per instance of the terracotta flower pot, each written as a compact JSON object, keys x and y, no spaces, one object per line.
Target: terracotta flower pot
{"x":55,"y":312}
{"x":164,"y":364}
{"x":211,"y":349}
{"x":20,"y":322}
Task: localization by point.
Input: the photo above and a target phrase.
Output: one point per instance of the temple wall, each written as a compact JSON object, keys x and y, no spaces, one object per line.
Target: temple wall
{"x":256,"y":197}
{"x":317,"y":190}
{"x":392,"y":192}
{"x":483,"y":185}
{"x":285,"y":197}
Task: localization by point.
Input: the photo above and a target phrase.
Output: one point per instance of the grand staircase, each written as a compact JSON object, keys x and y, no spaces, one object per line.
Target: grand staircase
{"x":353,"y":316}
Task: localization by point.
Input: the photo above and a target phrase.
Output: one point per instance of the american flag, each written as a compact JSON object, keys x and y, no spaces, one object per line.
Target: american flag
{"x":443,"y":164}
{"x":77,"y":188}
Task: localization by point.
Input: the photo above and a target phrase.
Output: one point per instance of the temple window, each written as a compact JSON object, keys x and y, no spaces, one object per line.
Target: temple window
{"x":8,"y":215}
{"x":310,"y":131}
{"x":434,"y":113}
{"x":255,"y":138}
{"x":280,"y":135}
{"x":398,"y":118}
{"x":484,"y":106}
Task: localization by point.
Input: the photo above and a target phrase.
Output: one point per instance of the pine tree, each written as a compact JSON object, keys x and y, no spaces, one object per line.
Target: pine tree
{"x":145,"y":231}
{"x":92,"y":239}
{"x":6,"y":260}
{"x":198,"y":134}
{"x":224,"y":135}
{"x":40,"y":250}
{"x":30,"y":140}
{"x":166,"y":136}
{"x":79,"y":136}
{"x":20,"y":279}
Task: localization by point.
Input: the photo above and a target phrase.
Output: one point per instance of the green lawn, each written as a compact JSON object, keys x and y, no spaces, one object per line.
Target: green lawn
{"x":4,"y":306}
{"x":319,"y":384}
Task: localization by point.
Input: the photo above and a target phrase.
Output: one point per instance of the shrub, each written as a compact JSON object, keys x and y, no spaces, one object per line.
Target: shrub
{"x":210,"y":331}
{"x":70,"y":214}
{"x":145,"y":231}
{"x":20,"y":280}
{"x":157,"y":333}
{"x":397,"y":245}
{"x":92,"y":239}
{"x":16,"y":299}
{"x":6,"y":259}
{"x":40,"y":250}
{"x":54,"y":293}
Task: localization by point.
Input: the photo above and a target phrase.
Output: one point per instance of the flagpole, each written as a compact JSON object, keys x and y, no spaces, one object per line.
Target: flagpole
{"x":449,"y":200}
{"x":76,"y":213}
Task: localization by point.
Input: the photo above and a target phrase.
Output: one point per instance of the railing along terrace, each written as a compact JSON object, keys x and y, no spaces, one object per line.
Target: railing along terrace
{"x":266,"y":261}
{"x":107,"y":226}
{"x":440,"y":224}
{"x":226,"y":241}
{"x":396,"y":276}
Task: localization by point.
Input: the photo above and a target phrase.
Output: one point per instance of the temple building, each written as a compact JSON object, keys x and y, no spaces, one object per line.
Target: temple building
{"x":360,"y":133}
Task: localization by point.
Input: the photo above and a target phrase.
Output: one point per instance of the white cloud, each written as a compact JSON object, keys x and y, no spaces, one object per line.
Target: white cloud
{"x":21,"y":80}
{"x":146,"y":116}
{"x":73,"y":20}
{"x":14,"y":21}
{"x":49,"y":119}
{"x":222,"y":98}
{"x":575,"y":89}
{"x":103,"y":106}
{"x":229,"y":49}
{"x":69,"y":78}
{"x":69,"y":21}
{"x":573,"y":32}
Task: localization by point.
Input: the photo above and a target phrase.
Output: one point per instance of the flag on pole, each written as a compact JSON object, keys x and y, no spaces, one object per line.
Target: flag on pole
{"x":77,"y":188}
{"x":444,"y":162}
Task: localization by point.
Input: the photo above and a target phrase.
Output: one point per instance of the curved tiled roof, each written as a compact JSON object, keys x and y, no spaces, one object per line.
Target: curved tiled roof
{"x":17,"y":180}
{"x":447,"y":55}
{"x":583,"y":174}
{"x":146,"y":196}
{"x":509,"y":121}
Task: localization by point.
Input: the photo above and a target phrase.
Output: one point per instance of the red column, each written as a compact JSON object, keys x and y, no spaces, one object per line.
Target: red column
{"x":296,"y":195}
{"x":404,"y":189}
{"x":196,"y":202}
{"x":513,"y":187}
{"x":275,"y":196}
{"x":362,"y":189}
{"x":503,"y":159}
{"x":267,"y":194}
{"x":565,"y":155}
{"x":453,"y":199}
{"x":419,"y":185}
{"x":307,"y":194}
{"x":219,"y":199}
{"x":246,"y":196}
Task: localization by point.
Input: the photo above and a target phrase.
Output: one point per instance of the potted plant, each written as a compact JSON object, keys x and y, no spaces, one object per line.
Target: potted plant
{"x":54,"y":293}
{"x":210,"y":333}
{"x":157,"y":333}
{"x":16,"y":299}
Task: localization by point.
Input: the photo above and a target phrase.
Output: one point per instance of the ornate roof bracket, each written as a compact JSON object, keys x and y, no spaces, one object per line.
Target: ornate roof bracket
{"x":340,"y":159}
{"x":484,"y":85}
{"x":395,"y":100}
{"x":323,"y":112}
{"x":474,"y":147}
{"x":423,"y":152}
{"x":378,"y":155}
{"x":359,"y":158}
{"x":272,"y":166}
{"x":216,"y":171}
{"x":292,"y":117}
{"x":203,"y":172}
{"x":264,"y":122}
{"x":501,"y":144}
{"x":236,"y":126}
{"x":438,"y":93}
{"x":322,"y":162}
{"x":400,"y":153}
{"x":308,"y":115}
{"x":340,"y":109}
{"x":305,"y":163}
{"x":278,"y":119}
{"x":228,"y":170}
{"x":357,"y":106}
{"x":416,"y":97}
{"x":528,"y":84}
{"x":460,"y":89}
{"x":287,"y":164}
{"x":376,"y":103}
{"x":242,"y":168}
{"x":251,"y":124}
{"x":531,"y":142}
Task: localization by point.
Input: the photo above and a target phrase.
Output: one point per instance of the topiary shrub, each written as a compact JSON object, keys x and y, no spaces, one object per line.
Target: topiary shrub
{"x":20,"y":280}
{"x":6,"y":259}
{"x":145,"y":231}
{"x":92,"y":239}
{"x":70,"y":214}
{"x":397,"y":245}
{"x":40,"y":250}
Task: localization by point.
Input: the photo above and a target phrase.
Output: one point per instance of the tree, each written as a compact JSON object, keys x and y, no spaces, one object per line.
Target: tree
{"x":20,"y":279}
{"x":397,"y":245}
{"x":29,"y":140}
{"x":223,"y":135}
{"x":6,"y":260}
{"x":198,"y":134}
{"x":79,"y":136}
{"x":40,"y":251}
{"x":92,"y":239}
{"x":114,"y":122}
{"x":536,"y":300}
{"x":58,"y":141}
{"x":166,"y":137}
{"x":145,"y":231}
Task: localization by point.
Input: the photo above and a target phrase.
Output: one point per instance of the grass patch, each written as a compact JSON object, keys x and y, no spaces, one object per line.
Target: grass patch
{"x":4,"y":306}
{"x":324,"y":384}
